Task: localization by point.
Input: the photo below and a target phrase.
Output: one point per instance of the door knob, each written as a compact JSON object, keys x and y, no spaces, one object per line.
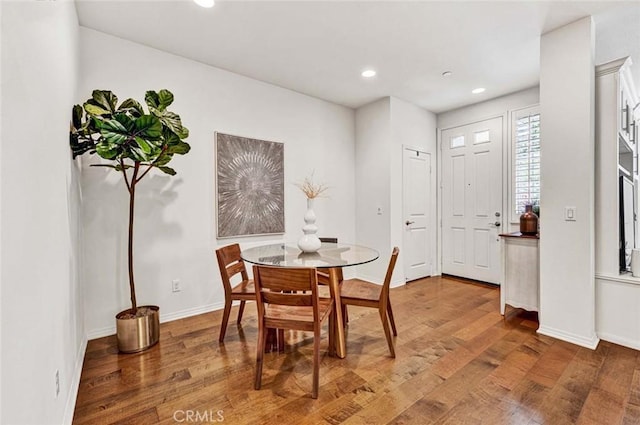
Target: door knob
{"x":409,"y":222}
{"x":497,"y":224}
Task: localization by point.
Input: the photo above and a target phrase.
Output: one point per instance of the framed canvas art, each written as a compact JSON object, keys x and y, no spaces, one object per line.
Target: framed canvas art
{"x":250,"y":186}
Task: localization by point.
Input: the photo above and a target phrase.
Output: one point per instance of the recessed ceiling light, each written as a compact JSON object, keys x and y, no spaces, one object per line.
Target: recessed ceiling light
{"x":368,"y":73}
{"x":204,"y":3}
{"x":447,"y":74}
{"x":478,"y":90}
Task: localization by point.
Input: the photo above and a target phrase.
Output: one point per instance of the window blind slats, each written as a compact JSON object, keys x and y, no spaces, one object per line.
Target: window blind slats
{"x":527,"y":161}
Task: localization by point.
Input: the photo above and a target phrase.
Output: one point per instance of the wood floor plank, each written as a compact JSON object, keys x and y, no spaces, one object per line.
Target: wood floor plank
{"x":457,"y":362}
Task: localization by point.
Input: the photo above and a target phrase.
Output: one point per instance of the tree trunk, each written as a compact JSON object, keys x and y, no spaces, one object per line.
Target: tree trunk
{"x":132,"y":198}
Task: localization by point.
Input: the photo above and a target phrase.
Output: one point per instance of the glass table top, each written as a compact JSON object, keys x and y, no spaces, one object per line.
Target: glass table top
{"x":329,"y":255}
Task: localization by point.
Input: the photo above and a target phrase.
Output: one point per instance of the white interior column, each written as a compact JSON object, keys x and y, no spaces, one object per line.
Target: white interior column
{"x":567,"y":295}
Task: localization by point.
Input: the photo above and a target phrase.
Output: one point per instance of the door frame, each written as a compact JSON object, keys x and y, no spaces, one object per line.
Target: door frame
{"x":506,"y":186}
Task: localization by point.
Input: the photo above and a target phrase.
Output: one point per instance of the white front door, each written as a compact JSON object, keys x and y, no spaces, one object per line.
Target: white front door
{"x":472,"y":200}
{"x":416,"y":198}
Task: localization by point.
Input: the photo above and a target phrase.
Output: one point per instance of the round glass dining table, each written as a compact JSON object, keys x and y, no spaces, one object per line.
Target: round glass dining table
{"x":331,"y":257}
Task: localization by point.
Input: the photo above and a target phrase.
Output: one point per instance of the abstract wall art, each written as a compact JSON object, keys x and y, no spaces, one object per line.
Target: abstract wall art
{"x":250,"y":186}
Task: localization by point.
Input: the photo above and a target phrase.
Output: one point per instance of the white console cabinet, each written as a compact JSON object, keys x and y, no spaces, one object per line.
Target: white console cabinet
{"x":520,"y":283}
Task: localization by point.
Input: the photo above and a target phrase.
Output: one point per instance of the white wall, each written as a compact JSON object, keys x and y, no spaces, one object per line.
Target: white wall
{"x":382,"y":128}
{"x":1,"y":139}
{"x":414,"y":127}
{"x":489,"y":109}
{"x":42,"y":323}
{"x":567,"y":294}
{"x":175,"y":216}
{"x":372,"y":172}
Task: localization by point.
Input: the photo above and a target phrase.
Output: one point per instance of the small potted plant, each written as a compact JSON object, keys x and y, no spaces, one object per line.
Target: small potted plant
{"x":135,"y":142}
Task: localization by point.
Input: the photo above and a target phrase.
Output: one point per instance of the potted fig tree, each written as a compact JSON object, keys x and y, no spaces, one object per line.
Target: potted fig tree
{"x":135,"y":142}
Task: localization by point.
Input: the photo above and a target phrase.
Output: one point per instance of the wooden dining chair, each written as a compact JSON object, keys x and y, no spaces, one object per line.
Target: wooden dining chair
{"x":366,"y":294}
{"x":231,"y":264}
{"x":329,"y":240}
{"x":281,"y":305}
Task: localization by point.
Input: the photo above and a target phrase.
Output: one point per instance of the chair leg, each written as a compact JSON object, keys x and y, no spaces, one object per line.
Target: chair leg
{"x":387,"y":332}
{"x":390,"y":313}
{"x":345,"y":314}
{"x":332,"y":333}
{"x":225,"y":320}
{"x":262,"y":339}
{"x":316,"y":364}
{"x":280,"y":340}
{"x":242,"y":303}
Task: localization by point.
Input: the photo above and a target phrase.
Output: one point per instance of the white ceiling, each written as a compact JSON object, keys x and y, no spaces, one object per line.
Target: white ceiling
{"x":320,"y":47}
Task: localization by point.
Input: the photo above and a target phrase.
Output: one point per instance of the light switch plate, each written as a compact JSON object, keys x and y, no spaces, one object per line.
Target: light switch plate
{"x":570,"y":213}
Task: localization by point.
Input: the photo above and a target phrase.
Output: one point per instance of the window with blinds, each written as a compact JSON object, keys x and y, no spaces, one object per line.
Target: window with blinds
{"x":526,"y":166}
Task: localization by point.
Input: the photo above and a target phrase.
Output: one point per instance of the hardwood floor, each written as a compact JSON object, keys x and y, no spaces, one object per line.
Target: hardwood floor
{"x":458,"y":362}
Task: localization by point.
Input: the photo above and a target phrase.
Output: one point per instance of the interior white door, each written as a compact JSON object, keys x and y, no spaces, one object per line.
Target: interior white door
{"x":416,"y":198}
{"x":472,"y":200}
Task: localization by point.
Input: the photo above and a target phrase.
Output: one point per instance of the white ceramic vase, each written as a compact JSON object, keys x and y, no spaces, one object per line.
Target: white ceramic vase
{"x":309,"y":242}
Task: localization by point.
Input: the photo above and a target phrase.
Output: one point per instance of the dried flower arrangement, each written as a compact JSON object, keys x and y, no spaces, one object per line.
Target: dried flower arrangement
{"x":310,"y":189}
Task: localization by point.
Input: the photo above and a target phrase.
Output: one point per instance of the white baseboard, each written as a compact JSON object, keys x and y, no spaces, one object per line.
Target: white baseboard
{"x":74,"y":385}
{"x":191,"y":312}
{"x":590,"y":343}
{"x":616,"y":339}
{"x":111,"y":330}
{"x":100,"y":332}
{"x":397,"y":282}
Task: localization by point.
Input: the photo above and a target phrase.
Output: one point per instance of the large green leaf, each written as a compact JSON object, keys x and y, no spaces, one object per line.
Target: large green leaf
{"x":168,"y":170}
{"x":180,"y":148}
{"x":107,"y":150}
{"x":131,"y":106}
{"x":114,"y":132}
{"x":169,"y":137}
{"x":102,"y":102}
{"x":149,"y":127}
{"x":183,"y":133}
{"x":95,"y":109}
{"x":126,"y":122}
{"x":163,"y":159}
{"x":144,"y":145}
{"x":152,"y":99}
{"x":80,"y":145}
{"x":76,"y":117}
{"x":165,"y":98}
{"x":138,"y":154}
{"x":169,"y":119}
{"x":160,"y":100}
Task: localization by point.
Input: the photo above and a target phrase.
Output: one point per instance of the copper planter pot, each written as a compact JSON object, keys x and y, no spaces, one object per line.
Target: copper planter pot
{"x":139,"y":333}
{"x":529,"y":221}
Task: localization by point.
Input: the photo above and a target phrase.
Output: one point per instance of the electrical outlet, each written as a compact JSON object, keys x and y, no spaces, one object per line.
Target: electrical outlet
{"x":57,"y":383}
{"x":570,"y":213}
{"x":175,"y":285}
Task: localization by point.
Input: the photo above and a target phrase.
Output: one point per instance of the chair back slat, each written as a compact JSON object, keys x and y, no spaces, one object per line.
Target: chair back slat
{"x":287,"y":279}
{"x":279,"y":285}
{"x":235,"y":268}
{"x":290,"y":299}
{"x":230,"y":264}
